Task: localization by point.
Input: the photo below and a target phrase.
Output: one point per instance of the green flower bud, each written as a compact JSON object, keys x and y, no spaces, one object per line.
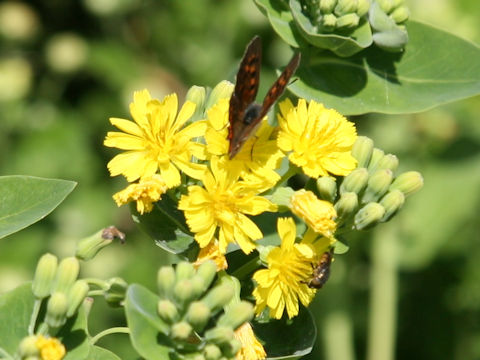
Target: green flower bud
{"x":116,"y":292}
{"x":400,"y":14}
{"x":67,"y":273}
{"x":198,"y":315}
{"x":236,"y":315}
{"x":165,"y":281}
{"x":184,"y":292}
{"x":346,"y":205}
{"x":388,"y":161}
{"x":75,"y":296}
{"x":181,"y":331}
{"x":56,"y":310}
{"x":44,"y":276}
{"x":327,"y":188}
{"x":198,"y":286}
{"x":369,"y":216}
{"x":219,"y":296}
{"x":377,"y":155}
{"x":378,"y":185}
{"x":355,"y":181}
{"x":329,"y":22}
{"x":207,"y":272}
{"x":362,"y":150}
{"x":184,"y":270}
{"x":345,"y":7}
{"x":197,"y":95}
{"x":28,"y":347}
{"x":327,"y":6}
{"x":363,"y":7}
{"x":167,"y":311}
{"x":397,"y":3}
{"x":392,"y":202}
{"x":89,"y":247}
{"x":408,"y":183}
{"x":263,"y":252}
{"x":219,"y":335}
{"x":231,"y":348}
{"x":386,"y":5}
{"x":212,"y":352}
{"x":223,"y":90}
{"x":282,"y":196}
{"x":348,"y":21}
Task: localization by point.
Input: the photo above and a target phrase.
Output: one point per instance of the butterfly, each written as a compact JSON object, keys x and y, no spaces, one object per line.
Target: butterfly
{"x":244,"y":114}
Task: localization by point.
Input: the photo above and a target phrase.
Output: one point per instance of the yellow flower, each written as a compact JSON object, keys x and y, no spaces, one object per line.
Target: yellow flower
{"x":320,"y":139}
{"x":251,"y":349}
{"x":285,"y":281}
{"x":156,"y":140}
{"x":145,"y":193}
{"x":50,"y":348}
{"x":212,"y":252}
{"x":223,"y":204}
{"x":259,"y":156}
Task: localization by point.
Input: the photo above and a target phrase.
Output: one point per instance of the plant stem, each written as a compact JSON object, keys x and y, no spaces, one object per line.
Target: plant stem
{"x":5,"y":355}
{"x":102,"y":284}
{"x":246,"y":268}
{"x":383,"y":298}
{"x":33,"y":318}
{"x":114,"y":330}
{"x":292,"y":170}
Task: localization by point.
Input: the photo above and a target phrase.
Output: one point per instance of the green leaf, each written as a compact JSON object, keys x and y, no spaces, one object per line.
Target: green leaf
{"x":147,"y":329}
{"x":26,"y":199}
{"x":288,"y":339}
{"x":342,"y":45}
{"x":98,"y":353}
{"x":74,"y":336}
{"x":166,"y":225}
{"x":15,"y":309}
{"x":436,"y":67}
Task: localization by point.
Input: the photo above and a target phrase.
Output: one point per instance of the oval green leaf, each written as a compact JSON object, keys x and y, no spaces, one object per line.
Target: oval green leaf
{"x":98,"y":353}
{"x":435,"y":68}
{"x":147,"y":329}
{"x":26,"y":199}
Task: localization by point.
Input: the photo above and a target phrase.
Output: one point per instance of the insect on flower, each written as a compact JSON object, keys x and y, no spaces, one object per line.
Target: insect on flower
{"x":244,"y":114}
{"x":321,"y":272}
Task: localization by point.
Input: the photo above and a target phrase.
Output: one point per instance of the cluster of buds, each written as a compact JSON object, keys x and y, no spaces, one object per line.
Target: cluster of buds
{"x":386,"y":18}
{"x":395,"y":9}
{"x":332,"y":15}
{"x":371,"y":193}
{"x":188,"y":303}
{"x":58,"y":282}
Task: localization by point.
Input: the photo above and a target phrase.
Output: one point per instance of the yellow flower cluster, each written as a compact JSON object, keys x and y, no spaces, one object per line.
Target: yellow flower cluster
{"x":220,"y":197}
{"x":50,"y":348}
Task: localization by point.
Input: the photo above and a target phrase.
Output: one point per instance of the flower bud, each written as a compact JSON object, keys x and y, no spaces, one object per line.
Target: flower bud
{"x":28,"y":347}
{"x":236,"y":315}
{"x":56,"y":310}
{"x":183,"y":292}
{"x":184,"y":270}
{"x":219,"y":335}
{"x":231,"y":348}
{"x":392,"y":202}
{"x":115,"y":294}
{"x":378,"y":185}
{"x":400,"y":14}
{"x":167,"y":311}
{"x":397,"y":3}
{"x":346,"y":205}
{"x":198,"y":315}
{"x":327,"y":6}
{"x":282,"y":196}
{"x":218,"y":297}
{"x":362,"y":150}
{"x":408,"y":183}
{"x":329,"y":22}
{"x":377,"y":155}
{"x":369,"y":215}
{"x":67,"y":273}
{"x":223,"y":90}
{"x":263,"y":252}
{"x":181,"y":331}
{"x":75,"y":296}
{"x":212,"y":352}
{"x":207,"y":272}
{"x":362,"y":7}
{"x":345,"y":7}
{"x":44,"y":276}
{"x":355,"y":181}
{"x":165,"y":281}
{"x":388,"y":161}
{"x":197,"y":95}
{"x":327,"y":188}
{"x":386,"y":5}
{"x":348,"y":21}
{"x":89,"y":247}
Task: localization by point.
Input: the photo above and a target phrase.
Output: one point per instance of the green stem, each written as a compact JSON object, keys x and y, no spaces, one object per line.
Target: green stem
{"x":292,"y":170}
{"x":383,"y":298}
{"x":33,"y":318}
{"x":102,"y":284}
{"x":96,"y":293}
{"x":5,"y":355}
{"x":114,"y":330}
{"x":247,"y":268}
{"x":338,"y":335}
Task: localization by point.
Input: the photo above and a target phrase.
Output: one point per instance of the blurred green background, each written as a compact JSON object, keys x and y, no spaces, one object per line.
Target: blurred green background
{"x":67,"y":66}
